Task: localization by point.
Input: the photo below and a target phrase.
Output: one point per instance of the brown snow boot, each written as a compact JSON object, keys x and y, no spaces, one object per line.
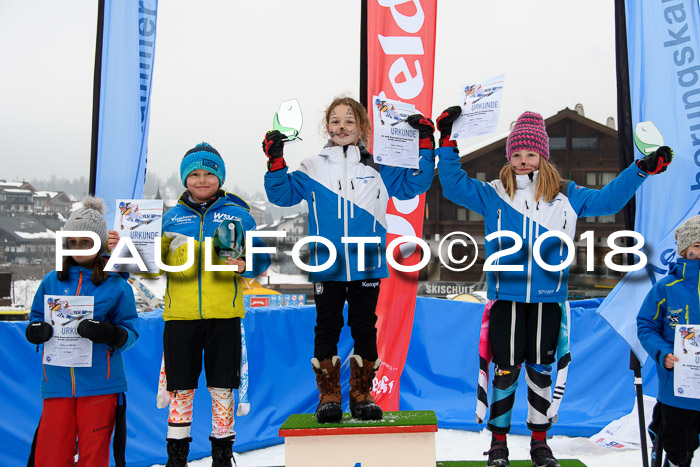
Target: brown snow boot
{"x":362,"y":404}
{"x":328,"y":382}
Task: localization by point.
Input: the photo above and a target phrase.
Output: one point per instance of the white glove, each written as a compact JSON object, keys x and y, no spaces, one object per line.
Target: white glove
{"x":243,"y":409}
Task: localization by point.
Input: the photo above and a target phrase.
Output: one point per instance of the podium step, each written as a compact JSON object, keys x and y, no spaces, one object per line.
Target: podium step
{"x":400,"y":438}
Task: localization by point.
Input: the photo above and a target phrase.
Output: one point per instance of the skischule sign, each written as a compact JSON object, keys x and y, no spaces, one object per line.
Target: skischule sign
{"x":443,"y":288}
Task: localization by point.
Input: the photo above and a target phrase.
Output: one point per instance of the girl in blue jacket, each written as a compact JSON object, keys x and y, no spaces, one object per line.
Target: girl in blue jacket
{"x":673,"y":302}
{"x":81,"y":402}
{"x":528,"y":304}
{"x":347,"y":194}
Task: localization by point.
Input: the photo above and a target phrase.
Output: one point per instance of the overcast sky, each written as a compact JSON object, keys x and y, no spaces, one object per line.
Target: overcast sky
{"x":222,"y":67}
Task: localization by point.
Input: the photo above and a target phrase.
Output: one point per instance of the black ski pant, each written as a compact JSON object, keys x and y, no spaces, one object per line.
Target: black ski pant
{"x":330,"y":297}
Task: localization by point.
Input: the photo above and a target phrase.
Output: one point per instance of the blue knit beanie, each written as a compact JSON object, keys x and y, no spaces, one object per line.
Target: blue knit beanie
{"x":203,"y":156}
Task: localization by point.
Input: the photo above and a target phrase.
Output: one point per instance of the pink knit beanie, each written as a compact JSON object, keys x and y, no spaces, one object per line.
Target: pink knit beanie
{"x":528,"y":134}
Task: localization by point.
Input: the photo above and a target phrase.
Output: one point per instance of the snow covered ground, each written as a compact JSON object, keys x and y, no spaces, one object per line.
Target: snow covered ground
{"x":469,"y":445}
{"x":459,"y":445}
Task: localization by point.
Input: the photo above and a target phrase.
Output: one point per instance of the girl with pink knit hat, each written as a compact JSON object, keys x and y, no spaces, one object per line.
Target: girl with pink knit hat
{"x":527,"y":317}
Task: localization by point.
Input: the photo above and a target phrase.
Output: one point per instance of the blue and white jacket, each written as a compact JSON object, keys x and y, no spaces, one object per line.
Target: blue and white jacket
{"x":347,"y":194}
{"x":673,"y":301}
{"x":530,"y":219}
{"x":113,"y":303}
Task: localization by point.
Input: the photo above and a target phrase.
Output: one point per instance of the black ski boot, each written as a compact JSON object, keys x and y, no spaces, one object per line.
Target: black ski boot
{"x":178,"y":449}
{"x":541,"y":455}
{"x":498,"y":454}
{"x":222,"y":452}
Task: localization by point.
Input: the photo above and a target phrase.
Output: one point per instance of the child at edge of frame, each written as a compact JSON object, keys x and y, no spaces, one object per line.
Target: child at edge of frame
{"x":204,"y":308}
{"x":347,"y":193}
{"x":84,"y":402}
{"x":527,"y":317}
{"x":670,"y":305}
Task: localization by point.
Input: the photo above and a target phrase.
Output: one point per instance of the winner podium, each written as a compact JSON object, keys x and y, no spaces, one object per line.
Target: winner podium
{"x":400,"y":438}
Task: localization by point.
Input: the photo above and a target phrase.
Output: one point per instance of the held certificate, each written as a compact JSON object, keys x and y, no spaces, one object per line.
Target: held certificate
{"x":395,"y":141}
{"x":66,"y":347}
{"x":686,"y":371}
{"x":140,"y":220}
{"x":481,"y":106}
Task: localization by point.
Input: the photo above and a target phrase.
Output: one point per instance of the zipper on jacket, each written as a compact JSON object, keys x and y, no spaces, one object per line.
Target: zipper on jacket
{"x":529,"y":259}
{"x":80,"y":283}
{"x":199,"y":266}
{"x":561,"y":252}
{"x":352,"y":200}
{"x":199,"y":263}
{"x":498,"y":261}
{"x":376,"y":210}
{"x":109,"y":361}
{"x":345,"y":217}
{"x":340,"y":189}
{"x":374,"y":227}
{"x":72,"y":372}
{"x":561,"y":273}
{"x":318,"y":229}
{"x":235,"y":293}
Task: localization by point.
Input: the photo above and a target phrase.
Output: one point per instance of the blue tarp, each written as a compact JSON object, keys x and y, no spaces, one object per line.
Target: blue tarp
{"x":440,"y":374}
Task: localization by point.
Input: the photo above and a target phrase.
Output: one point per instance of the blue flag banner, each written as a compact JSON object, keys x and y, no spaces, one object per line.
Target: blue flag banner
{"x":663,"y":41}
{"x":127,"y":68}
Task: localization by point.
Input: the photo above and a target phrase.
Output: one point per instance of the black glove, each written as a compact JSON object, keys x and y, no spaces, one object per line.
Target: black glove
{"x":425,"y":127}
{"x":657,"y":161}
{"x":101,"y":332}
{"x":444,"y":124}
{"x":273,"y":145}
{"x":39,"y":332}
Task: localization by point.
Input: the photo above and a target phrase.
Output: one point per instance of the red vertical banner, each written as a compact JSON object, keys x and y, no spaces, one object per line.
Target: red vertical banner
{"x":401,"y":63}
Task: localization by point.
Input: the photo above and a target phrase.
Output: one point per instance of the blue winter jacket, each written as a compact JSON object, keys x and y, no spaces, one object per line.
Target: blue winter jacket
{"x":347,"y":194}
{"x":673,"y":300}
{"x":114,"y":303}
{"x":530,"y":219}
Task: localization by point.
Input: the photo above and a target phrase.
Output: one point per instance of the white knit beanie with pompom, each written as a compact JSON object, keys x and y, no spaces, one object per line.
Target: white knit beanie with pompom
{"x":90,"y":217}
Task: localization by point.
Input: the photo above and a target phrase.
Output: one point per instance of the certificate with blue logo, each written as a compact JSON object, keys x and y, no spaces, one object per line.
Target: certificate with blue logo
{"x":64,"y":313}
{"x":686,"y":371}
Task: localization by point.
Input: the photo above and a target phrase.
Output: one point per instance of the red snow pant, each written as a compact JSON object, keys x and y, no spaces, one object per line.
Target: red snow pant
{"x":89,"y":418}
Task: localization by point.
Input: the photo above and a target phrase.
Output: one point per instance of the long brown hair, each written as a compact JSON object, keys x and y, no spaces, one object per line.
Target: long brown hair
{"x":548,"y":180}
{"x":99,"y":275}
{"x":360,"y":112}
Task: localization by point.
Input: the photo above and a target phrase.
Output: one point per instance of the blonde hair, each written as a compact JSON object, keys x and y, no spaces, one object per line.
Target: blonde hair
{"x":358,"y":110}
{"x":548,"y":180}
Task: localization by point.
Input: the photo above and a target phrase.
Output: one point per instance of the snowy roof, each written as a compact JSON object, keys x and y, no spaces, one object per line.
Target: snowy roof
{"x":17,"y":190}
{"x":36,"y":235}
{"x":28,"y":227}
{"x":11,"y":184}
{"x":50,"y":194}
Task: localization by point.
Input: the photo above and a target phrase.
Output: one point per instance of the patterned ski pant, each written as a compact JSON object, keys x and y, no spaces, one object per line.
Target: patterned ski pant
{"x":522,"y":332}
{"x":180,"y":413}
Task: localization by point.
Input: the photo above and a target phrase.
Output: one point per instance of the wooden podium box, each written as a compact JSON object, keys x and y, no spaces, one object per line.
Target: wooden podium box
{"x":401,"y":438}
